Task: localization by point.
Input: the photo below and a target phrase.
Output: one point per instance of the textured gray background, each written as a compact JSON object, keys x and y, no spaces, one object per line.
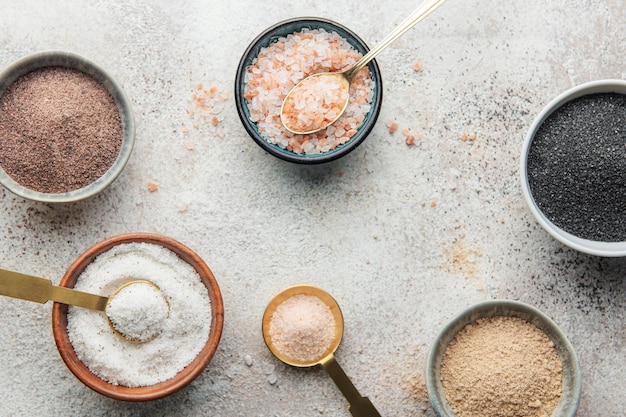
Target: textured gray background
{"x":364,"y":228}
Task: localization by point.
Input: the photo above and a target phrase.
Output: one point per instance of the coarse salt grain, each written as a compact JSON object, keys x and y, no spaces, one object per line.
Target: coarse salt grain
{"x":302,"y":328}
{"x":183,"y":334}
{"x":284,"y":63}
{"x":137,"y":311}
{"x":315,"y":103}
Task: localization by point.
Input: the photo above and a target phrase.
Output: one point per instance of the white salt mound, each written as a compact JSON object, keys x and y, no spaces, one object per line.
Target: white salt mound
{"x":138,"y":311}
{"x":184,"y":332}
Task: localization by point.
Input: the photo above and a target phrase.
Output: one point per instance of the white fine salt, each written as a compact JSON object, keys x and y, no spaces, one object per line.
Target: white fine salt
{"x":137,"y":311}
{"x":302,"y":328}
{"x":183,"y":334}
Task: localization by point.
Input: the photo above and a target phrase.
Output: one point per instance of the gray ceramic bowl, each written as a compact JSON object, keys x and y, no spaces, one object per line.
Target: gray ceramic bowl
{"x":271,"y":35}
{"x":570,"y":395}
{"x":598,"y":248}
{"x":69,"y":60}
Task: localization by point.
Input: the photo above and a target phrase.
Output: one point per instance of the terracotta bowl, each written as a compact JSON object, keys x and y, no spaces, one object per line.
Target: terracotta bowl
{"x":572,"y":385}
{"x":162,"y":389}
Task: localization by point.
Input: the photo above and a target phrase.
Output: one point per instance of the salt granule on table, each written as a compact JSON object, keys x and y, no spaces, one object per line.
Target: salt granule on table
{"x":302,"y":328}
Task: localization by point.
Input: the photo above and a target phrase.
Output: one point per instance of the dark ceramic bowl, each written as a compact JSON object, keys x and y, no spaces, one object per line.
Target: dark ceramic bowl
{"x":571,"y":389}
{"x":162,"y":389}
{"x":68,"y":60}
{"x":269,"y":36}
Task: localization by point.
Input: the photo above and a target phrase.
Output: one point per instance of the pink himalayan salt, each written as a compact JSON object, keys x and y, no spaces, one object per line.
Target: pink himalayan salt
{"x":287,"y":61}
{"x":302,"y":328}
{"x":315,"y":103}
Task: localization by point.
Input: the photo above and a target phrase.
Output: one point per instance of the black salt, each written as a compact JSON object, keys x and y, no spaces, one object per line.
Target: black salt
{"x":577,"y":167}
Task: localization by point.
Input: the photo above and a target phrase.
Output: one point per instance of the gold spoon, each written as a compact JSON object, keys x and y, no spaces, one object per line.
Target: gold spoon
{"x":40,"y":290}
{"x":344,"y":78}
{"x":359,"y":406}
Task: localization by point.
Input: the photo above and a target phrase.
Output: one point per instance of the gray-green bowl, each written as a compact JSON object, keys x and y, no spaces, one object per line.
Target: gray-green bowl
{"x":570,"y":395}
{"x":70,"y":60}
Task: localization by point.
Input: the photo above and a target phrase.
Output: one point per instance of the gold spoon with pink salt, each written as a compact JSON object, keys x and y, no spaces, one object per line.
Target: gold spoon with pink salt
{"x":303,"y":327}
{"x":135,"y":311}
{"x":320,"y":99}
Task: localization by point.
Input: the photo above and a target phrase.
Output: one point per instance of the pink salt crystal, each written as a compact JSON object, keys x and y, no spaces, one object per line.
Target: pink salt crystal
{"x":315,"y":103}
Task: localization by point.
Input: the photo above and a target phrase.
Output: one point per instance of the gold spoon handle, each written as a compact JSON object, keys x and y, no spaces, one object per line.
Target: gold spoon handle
{"x":359,"y":406}
{"x":40,"y":290}
{"x":420,"y":13}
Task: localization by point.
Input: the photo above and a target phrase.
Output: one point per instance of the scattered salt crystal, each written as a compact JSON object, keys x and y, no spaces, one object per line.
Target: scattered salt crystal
{"x":248,"y":360}
{"x":272,"y":379}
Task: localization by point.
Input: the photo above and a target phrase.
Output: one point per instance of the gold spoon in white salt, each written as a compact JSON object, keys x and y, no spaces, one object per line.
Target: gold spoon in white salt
{"x":344,"y":78}
{"x":359,"y":406}
{"x":30,"y":288}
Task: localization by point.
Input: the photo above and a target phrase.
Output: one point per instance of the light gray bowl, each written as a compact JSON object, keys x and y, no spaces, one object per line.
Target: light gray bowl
{"x":607,"y":249}
{"x":570,"y":395}
{"x":69,"y":60}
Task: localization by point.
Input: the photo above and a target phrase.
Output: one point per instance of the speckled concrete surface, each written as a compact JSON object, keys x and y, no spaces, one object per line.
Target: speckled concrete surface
{"x":404,"y":237}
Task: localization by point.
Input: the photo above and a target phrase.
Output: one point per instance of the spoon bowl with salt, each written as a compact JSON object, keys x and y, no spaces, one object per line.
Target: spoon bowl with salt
{"x":303,"y":327}
{"x":135,"y":311}
{"x":320,"y":99}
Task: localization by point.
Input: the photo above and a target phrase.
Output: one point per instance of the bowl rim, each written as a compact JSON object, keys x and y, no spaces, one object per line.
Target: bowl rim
{"x":567,"y":405}
{"x":162,"y":389}
{"x":605,"y":249}
{"x":323,"y":157}
{"x":55,"y":58}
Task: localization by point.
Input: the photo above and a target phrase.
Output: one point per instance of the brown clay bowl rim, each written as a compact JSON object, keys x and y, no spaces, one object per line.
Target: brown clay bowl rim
{"x":162,"y":389}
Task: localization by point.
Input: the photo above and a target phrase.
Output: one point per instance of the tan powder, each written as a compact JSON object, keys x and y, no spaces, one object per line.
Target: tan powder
{"x":504,"y":367}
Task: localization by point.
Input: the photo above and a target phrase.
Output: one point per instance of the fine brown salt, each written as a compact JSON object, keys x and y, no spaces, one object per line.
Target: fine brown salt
{"x":501,"y":367}
{"x":60,"y":130}
{"x":302,"y":328}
